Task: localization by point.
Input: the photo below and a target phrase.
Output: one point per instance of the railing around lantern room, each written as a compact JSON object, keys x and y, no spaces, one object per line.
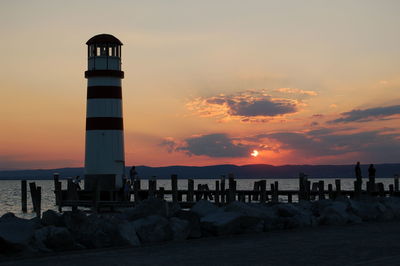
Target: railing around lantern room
{"x":104,"y":57}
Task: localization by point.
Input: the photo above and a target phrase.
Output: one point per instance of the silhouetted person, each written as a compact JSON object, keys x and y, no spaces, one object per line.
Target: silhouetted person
{"x":371,"y":176}
{"x":358,"y":171}
{"x":371,"y":171}
{"x":76,"y":182}
{"x":127,"y":190}
{"x":132,"y":173}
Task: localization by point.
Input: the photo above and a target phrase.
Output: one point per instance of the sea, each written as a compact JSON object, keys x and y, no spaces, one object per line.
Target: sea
{"x":10,"y":190}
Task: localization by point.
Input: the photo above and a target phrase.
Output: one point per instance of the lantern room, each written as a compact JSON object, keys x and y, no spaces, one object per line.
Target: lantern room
{"x":104,"y":52}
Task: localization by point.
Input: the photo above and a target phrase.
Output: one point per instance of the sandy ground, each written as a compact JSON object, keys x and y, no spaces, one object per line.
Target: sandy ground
{"x":363,"y":244}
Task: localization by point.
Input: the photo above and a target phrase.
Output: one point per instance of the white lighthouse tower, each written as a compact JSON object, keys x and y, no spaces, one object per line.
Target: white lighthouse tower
{"x":104,"y":150}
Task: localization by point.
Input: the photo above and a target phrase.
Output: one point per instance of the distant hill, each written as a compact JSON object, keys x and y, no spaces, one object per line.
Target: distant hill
{"x":215,"y":171}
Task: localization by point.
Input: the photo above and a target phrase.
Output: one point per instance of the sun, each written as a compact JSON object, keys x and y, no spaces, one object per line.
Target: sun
{"x":254,"y":153}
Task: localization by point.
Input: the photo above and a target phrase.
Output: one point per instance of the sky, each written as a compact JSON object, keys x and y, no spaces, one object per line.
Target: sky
{"x":206,"y":82}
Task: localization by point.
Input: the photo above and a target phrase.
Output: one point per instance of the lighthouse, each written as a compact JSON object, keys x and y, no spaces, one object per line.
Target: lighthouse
{"x":104,"y":144}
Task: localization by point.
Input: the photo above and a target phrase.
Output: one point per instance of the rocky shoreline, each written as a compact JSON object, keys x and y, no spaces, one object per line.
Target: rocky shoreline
{"x":155,"y":220}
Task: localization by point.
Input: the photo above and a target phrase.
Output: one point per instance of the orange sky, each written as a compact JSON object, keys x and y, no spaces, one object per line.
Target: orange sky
{"x":206,"y":82}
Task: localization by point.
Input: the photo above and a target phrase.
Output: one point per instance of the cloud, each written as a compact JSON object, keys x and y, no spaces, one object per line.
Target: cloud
{"x":296,"y":91}
{"x":325,"y":145}
{"x":371,"y":114}
{"x":372,"y":145}
{"x":247,"y":106}
{"x":212,"y":145}
{"x":170,"y":144}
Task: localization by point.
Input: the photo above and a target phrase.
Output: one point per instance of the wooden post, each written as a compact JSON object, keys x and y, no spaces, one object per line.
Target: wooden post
{"x":198,"y":192}
{"x":321,"y":190}
{"x":174,"y":186}
{"x":308,"y":188}
{"x":24,"y":196}
{"x":330,"y":191}
{"x":190,"y":190}
{"x":263,"y":188}
{"x":314,"y":189}
{"x":290,"y":198}
{"x":136,"y":188}
{"x":302,"y":187}
{"x":56,"y":178}
{"x":338,"y":188}
{"x":223,"y":194}
{"x":152,"y":187}
{"x":39,"y":201}
{"x":396,"y":183}
{"x":391,"y":189}
{"x":381,"y":189}
{"x":276,"y":191}
{"x":273,"y":192}
{"x":217,"y":192}
{"x":161,"y":193}
{"x":231,"y":195}
{"x":32,"y":187}
{"x":256,"y":187}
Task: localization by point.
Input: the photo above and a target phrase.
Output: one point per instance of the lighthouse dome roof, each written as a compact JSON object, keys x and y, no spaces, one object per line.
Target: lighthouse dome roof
{"x":104,"y":39}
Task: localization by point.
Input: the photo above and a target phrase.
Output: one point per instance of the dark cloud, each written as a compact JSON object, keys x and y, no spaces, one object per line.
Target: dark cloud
{"x":377,"y":113}
{"x":215,"y":145}
{"x":170,"y":144}
{"x":372,"y":145}
{"x":263,"y":107}
{"x":247,"y":106}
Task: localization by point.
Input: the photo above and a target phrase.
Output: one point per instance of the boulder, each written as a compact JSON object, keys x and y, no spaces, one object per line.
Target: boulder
{"x":251,"y":210}
{"x":152,"y":229}
{"x":370,"y":210}
{"x":8,"y":215}
{"x":151,"y":206}
{"x":54,"y":238}
{"x":180,"y":228}
{"x":16,"y":233}
{"x":294,"y":216}
{"x":51,"y":217}
{"x":193,"y":221}
{"x":74,"y":220}
{"x":95,"y":231}
{"x":127,"y":232}
{"x":393,"y":205}
{"x":222,"y":223}
{"x":204,"y":207}
{"x":336,"y":214}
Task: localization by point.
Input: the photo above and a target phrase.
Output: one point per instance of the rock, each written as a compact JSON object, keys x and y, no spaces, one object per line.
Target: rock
{"x":8,"y":215}
{"x":193,"y":220}
{"x":16,"y":233}
{"x":151,"y":206}
{"x":180,"y":228}
{"x":152,"y":229}
{"x":204,"y":207}
{"x":286,"y":210}
{"x":51,"y":217}
{"x":74,"y":220}
{"x":392,"y":204}
{"x":95,"y":231}
{"x":336,"y":213}
{"x":128,"y":233}
{"x":251,"y":210}
{"x":294,"y":216}
{"x":54,"y":238}
{"x":222,"y":223}
{"x":370,"y":210}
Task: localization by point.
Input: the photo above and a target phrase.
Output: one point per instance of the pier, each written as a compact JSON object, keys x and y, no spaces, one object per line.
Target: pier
{"x":225,"y":191}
